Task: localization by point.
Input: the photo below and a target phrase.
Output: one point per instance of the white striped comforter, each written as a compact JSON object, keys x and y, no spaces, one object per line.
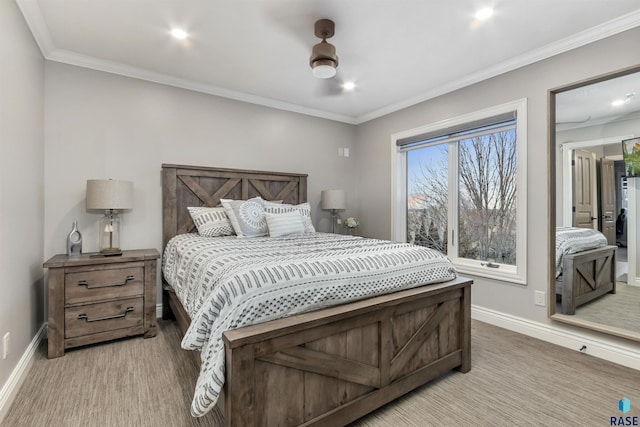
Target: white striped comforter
{"x":571,"y":240}
{"x":227,"y":282}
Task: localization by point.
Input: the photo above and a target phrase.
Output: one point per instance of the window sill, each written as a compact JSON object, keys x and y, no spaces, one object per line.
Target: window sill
{"x":490,"y":273}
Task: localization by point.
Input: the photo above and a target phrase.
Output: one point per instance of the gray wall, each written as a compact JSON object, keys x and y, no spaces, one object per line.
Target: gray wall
{"x":21,"y":192}
{"x":531,"y":82}
{"x":101,"y":125}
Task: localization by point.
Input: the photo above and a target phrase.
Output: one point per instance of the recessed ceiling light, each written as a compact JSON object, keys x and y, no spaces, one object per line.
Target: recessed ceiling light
{"x":179,"y":33}
{"x":627,"y":99}
{"x":349,"y":86}
{"x":483,"y":14}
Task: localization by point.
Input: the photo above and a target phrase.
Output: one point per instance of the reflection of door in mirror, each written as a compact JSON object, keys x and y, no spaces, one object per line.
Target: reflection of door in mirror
{"x":594,"y":199}
{"x":607,"y":200}
{"x":583,"y":189}
{"x":592,"y":192}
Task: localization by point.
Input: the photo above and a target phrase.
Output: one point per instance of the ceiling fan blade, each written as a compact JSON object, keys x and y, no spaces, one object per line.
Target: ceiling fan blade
{"x":329,"y":87}
{"x":292,"y":18}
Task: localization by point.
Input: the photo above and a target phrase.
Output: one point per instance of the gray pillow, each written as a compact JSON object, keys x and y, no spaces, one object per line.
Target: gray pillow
{"x":246,"y":216}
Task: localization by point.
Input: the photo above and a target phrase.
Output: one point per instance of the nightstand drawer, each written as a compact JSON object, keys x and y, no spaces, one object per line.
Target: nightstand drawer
{"x":107,"y":316}
{"x":118,"y":281}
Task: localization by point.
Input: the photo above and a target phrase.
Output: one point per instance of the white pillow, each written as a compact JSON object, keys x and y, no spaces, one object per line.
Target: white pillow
{"x":246,"y":216}
{"x":303,"y":208}
{"x":283,"y":224}
{"x":211,"y":222}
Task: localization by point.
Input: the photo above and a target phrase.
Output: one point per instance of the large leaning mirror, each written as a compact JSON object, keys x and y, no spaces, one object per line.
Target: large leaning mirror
{"x":594,"y":137}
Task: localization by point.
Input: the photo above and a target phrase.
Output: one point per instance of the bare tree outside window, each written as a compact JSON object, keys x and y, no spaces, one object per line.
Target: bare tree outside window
{"x":487,"y":176}
{"x":487,"y":188}
{"x":429,"y":198}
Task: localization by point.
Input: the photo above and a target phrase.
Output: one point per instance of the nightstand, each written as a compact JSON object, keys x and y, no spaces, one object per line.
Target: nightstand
{"x":93,"y":299}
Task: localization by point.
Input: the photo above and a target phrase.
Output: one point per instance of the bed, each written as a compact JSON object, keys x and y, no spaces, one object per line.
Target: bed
{"x":330,"y":366}
{"x":585,"y":267}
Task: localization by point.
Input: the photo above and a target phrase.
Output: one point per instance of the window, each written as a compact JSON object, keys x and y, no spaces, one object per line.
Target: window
{"x":460,"y":187}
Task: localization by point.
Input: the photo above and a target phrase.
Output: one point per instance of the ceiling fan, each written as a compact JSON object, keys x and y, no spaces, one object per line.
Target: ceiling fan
{"x":323,"y":60}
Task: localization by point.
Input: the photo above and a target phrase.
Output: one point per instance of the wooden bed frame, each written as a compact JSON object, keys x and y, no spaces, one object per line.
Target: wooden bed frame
{"x":327,"y":367}
{"x":586,"y":276}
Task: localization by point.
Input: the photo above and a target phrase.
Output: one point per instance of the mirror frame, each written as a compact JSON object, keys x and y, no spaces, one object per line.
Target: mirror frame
{"x":551,"y":214}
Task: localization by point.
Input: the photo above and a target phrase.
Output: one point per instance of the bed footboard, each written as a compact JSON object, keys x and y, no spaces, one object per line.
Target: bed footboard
{"x":333,"y":366}
{"x":587,"y":275}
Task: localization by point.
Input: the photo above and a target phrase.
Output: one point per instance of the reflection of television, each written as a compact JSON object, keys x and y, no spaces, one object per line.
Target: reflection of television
{"x":631,"y":156}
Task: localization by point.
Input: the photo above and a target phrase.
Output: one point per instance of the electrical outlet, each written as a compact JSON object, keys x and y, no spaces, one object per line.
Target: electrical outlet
{"x":540,"y":297}
{"x":5,"y":346}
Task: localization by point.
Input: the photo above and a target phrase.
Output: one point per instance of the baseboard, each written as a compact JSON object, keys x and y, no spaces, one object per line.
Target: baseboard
{"x":11,"y":387}
{"x":626,"y":355}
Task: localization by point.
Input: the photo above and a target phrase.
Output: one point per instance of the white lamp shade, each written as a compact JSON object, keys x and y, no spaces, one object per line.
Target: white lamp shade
{"x":333,"y":199}
{"x":104,"y":194}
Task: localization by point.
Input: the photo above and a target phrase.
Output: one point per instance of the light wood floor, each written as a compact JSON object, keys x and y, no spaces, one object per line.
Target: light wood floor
{"x":514,"y":381}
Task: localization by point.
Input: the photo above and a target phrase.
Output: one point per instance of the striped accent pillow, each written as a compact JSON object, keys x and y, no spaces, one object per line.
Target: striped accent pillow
{"x":211,"y":222}
{"x":303,"y":208}
{"x":283,"y":224}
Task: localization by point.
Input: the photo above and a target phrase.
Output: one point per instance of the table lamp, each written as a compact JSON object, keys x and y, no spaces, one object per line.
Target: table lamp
{"x":109,"y":195}
{"x":333,"y":200}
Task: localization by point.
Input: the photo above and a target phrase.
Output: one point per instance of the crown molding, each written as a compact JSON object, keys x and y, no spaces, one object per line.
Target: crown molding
{"x":599,"y":32}
{"x":86,"y":61}
{"x":33,"y":16}
{"x":36,"y":23}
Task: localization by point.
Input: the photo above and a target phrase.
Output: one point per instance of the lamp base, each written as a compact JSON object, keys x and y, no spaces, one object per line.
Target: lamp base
{"x":105,"y":255}
{"x":334,"y":217}
{"x":111,"y":252}
{"x":110,"y":228}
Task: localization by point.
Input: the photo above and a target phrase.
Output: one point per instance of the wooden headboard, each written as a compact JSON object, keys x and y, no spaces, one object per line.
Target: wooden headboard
{"x":184,"y":186}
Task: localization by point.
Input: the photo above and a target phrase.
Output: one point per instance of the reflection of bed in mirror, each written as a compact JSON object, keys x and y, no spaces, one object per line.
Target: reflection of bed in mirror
{"x":581,"y":117}
{"x":585,"y":267}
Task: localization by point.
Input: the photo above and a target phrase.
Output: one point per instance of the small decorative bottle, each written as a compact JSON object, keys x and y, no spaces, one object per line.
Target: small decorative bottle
{"x":74,"y":241}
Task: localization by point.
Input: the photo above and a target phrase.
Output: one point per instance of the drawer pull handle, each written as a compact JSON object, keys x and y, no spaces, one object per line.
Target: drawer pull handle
{"x":85,"y":283}
{"x":117,"y":316}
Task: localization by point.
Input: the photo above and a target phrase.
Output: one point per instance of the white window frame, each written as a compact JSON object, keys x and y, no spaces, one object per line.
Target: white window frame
{"x":513,"y":274}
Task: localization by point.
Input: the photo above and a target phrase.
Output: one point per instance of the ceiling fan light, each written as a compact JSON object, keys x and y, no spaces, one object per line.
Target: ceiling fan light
{"x":323,"y":68}
{"x":324,"y":60}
